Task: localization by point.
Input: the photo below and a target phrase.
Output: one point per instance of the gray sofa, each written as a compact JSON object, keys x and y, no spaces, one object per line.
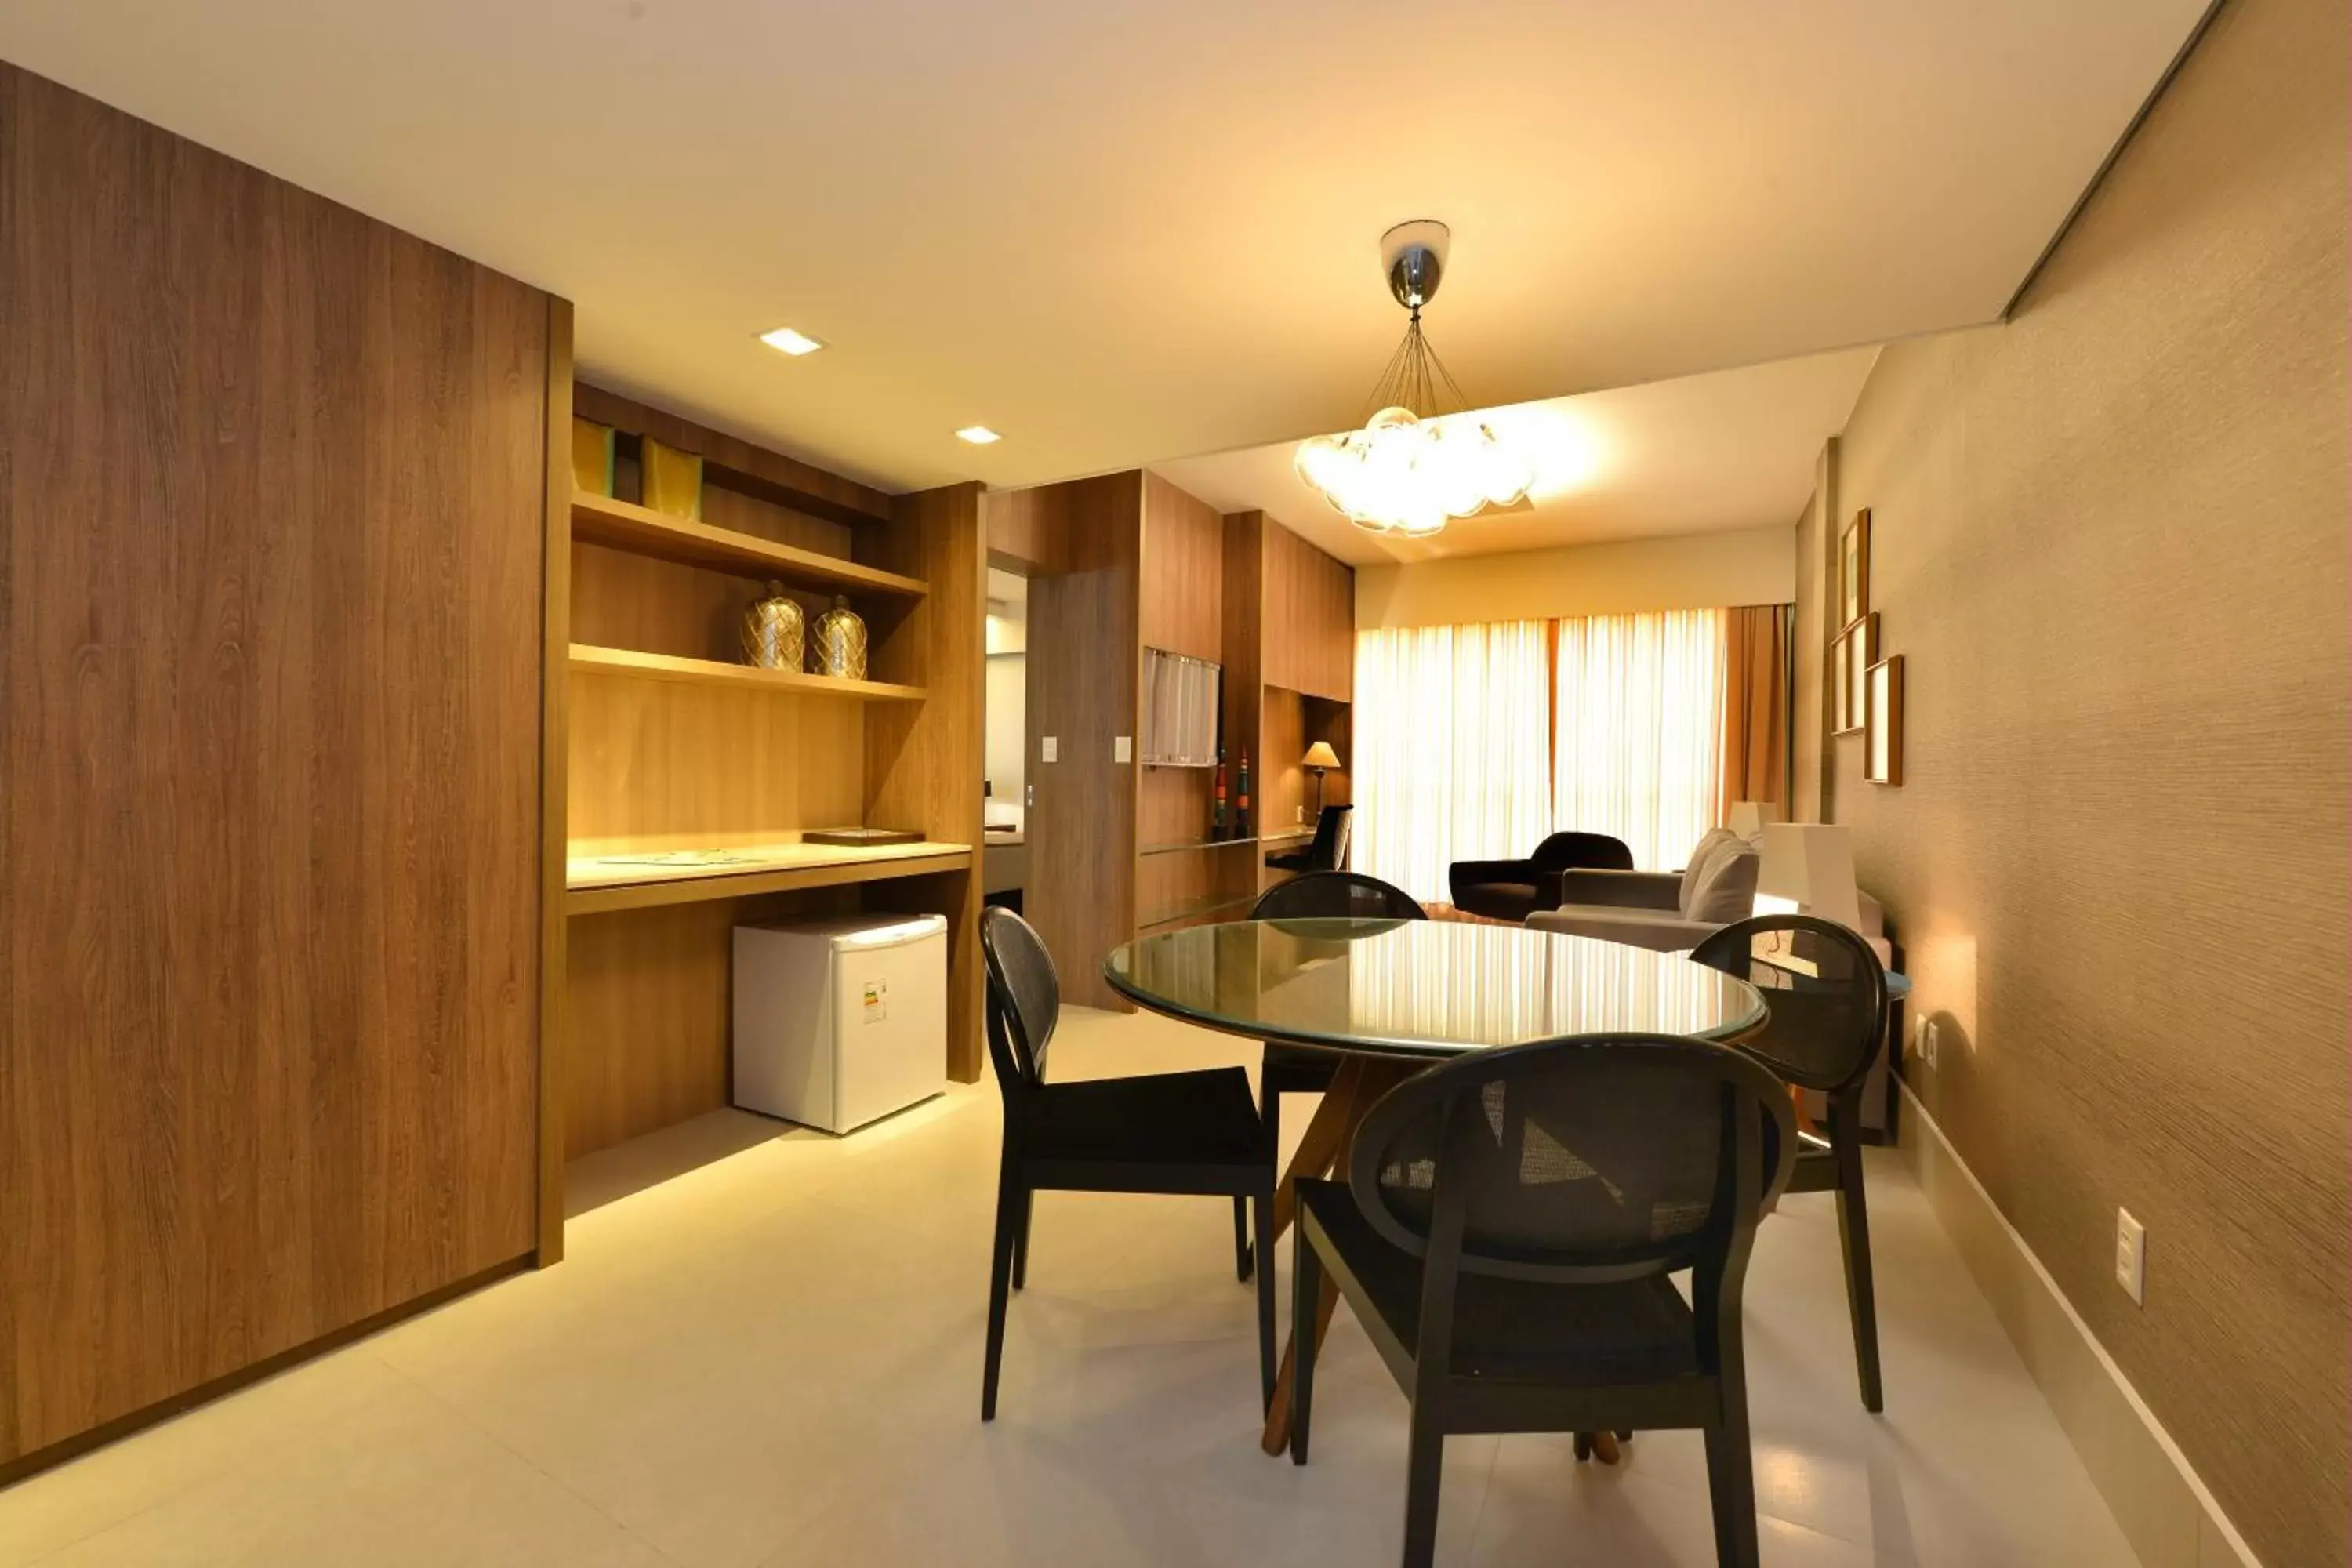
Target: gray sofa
{"x":1670,"y":912}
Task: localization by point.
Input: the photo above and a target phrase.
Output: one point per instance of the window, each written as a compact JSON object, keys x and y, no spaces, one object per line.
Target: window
{"x":1475,"y":742}
{"x":1453,"y":747}
{"x":1638,"y":741}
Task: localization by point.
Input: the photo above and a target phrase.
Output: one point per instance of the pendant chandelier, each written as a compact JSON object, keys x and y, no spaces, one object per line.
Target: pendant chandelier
{"x":1413,"y":468}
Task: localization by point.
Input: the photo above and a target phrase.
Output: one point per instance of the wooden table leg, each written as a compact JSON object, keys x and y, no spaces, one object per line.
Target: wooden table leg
{"x":1330,"y":1135}
{"x":1327,"y":1134}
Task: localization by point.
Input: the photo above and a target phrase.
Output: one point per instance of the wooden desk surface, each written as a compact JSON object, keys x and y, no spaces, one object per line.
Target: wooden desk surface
{"x":625,"y":880}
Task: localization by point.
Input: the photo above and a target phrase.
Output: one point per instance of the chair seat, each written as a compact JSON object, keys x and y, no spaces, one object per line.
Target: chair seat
{"x":1500,"y":901}
{"x":1639,"y":1332}
{"x":1178,"y":1118}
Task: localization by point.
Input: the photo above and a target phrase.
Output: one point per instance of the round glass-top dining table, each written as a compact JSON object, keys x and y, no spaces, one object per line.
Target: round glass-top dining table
{"x":1423,"y":989}
{"x":1390,"y":998}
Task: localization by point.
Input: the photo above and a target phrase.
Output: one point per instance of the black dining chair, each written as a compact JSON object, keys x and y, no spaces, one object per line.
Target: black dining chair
{"x":1317,"y":896}
{"x":1165,"y":1133}
{"x":1505,"y":1236}
{"x":1827,"y":996}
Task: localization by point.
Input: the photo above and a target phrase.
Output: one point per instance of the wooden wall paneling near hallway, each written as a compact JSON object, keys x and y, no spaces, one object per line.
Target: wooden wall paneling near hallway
{"x":272,"y":505}
{"x":554,"y":772}
{"x":1310,"y":617}
{"x":1028,"y":531}
{"x":1084,"y":629}
{"x":924,"y":761}
{"x":1184,"y":572}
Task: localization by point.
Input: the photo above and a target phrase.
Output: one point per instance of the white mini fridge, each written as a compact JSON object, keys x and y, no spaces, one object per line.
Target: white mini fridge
{"x":838,"y":1022}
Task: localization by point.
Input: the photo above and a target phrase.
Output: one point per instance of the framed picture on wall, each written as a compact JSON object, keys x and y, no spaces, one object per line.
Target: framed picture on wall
{"x":1882,"y":750}
{"x":1853,"y":570}
{"x":1851,"y":656}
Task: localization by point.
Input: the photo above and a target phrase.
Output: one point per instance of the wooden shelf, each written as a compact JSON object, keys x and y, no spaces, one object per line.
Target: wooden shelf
{"x":1194,"y":844}
{"x":589,"y":659}
{"x":594,"y":884}
{"x":624,"y":525}
{"x":1193,"y":908}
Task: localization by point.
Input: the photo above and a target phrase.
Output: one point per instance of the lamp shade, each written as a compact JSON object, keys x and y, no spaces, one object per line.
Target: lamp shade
{"x":1749,"y":818}
{"x":1807,"y":868}
{"x":1321,"y":755}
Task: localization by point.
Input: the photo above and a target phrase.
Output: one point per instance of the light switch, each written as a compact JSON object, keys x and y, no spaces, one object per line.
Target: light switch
{"x":1050,"y":750}
{"x":1122,"y":748}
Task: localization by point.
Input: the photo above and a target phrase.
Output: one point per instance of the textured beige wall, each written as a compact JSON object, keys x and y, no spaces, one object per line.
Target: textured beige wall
{"x":2110,"y":540}
{"x":1685,"y":572}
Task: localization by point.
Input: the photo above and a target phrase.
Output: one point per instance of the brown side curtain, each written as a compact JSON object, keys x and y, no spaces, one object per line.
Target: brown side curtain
{"x":1756,"y":690}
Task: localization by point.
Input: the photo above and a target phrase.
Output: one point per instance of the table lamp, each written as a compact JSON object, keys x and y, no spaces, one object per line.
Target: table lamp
{"x":1807,"y":868}
{"x":1749,"y":818}
{"x":1321,"y":759}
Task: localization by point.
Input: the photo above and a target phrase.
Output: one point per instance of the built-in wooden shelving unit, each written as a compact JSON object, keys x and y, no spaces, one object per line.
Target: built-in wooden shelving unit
{"x":625,"y":525}
{"x":589,"y":659}
{"x":686,"y":777}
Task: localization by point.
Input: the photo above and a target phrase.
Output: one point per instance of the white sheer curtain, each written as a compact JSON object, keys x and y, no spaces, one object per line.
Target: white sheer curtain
{"x":1640,"y":740}
{"x":1452,"y":748}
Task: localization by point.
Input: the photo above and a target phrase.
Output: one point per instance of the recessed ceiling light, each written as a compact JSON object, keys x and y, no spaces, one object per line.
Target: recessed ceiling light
{"x":978,"y":434}
{"x":785,"y":340}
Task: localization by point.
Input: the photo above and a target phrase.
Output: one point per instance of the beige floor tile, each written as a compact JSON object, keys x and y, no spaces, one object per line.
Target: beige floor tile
{"x":400,"y":1481}
{"x":764,"y":1347}
{"x":60,"y":1507}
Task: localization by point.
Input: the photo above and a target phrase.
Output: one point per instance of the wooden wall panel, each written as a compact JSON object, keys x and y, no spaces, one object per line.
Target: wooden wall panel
{"x":1182,"y":573}
{"x":650,"y":1008}
{"x":663,"y":766}
{"x":1084,"y":622}
{"x":1309,"y":618}
{"x":555,"y":770}
{"x":272,"y":482}
{"x":1028,"y":531}
{"x":924,"y":761}
{"x":2108,"y":538}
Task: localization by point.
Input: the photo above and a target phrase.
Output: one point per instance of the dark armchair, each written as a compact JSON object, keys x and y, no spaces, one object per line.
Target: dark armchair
{"x":1514,"y":889}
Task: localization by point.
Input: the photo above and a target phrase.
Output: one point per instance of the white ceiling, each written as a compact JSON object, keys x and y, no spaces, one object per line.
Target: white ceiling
{"x":1122,"y":233}
{"x":1733,"y":448}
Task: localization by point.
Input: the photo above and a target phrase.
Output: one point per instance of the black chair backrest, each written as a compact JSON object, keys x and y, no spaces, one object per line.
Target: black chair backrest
{"x":1825,"y":988}
{"x":1330,"y":846}
{"x":1336,"y":896}
{"x":1582,"y":852}
{"x":1025,"y":999}
{"x":1594,"y":1158}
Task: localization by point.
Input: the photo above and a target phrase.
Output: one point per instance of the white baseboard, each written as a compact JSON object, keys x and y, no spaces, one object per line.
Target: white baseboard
{"x":2165,"y":1510}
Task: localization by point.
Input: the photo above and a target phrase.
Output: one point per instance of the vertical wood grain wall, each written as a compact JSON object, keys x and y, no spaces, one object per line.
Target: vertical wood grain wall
{"x":2110,"y":540}
{"x":1084,"y":657}
{"x":271,"y":520}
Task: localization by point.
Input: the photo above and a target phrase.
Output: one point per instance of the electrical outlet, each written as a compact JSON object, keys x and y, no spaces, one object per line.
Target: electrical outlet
{"x":1122,"y":748}
{"x":1302,"y":814}
{"x":1927,"y":1041}
{"x":2131,"y":1256}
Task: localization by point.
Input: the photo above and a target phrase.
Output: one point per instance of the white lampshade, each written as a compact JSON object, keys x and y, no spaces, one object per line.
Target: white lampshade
{"x":1749,"y":818}
{"x":1807,"y":868}
{"x":1321,"y":755}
